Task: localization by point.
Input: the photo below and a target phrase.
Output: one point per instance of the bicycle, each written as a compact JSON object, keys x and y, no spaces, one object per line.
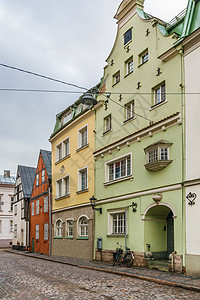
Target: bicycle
{"x":127,"y":259}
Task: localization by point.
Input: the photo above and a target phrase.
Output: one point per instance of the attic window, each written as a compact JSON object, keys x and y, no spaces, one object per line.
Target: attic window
{"x":67,"y":117}
{"x":128,"y":36}
{"x":157,"y":155}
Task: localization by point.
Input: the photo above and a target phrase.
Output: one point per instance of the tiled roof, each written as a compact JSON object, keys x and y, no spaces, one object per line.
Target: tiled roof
{"x":7,"y":180}
{"x":46,"y":155}
{"x":27,"y":175}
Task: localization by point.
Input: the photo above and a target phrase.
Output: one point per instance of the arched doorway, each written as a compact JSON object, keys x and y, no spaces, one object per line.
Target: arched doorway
{"x":159,"y":231}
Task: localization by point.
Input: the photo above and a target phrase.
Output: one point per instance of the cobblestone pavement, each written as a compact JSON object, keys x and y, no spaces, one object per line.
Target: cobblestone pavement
{"x":23,"y":277}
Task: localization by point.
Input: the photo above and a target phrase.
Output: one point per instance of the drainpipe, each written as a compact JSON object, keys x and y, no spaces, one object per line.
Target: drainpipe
{"x":125,"y":229}
{"x":181,"y":52}
{"x":49,"y":191}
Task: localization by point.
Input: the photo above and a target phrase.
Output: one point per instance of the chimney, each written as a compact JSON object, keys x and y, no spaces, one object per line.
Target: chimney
{"x":7,"y":173}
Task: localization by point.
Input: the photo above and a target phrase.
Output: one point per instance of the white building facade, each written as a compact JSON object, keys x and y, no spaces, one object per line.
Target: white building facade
{"x":192,"y":133}
{"x":7,"y":184}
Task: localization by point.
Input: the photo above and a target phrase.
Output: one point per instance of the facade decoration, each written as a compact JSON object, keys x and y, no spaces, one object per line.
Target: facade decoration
{"x":40,"y":206}
{"x":21,"y":207}
{"x":7,"y":184}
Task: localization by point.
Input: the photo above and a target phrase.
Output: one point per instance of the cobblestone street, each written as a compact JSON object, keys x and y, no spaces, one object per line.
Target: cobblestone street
{"x":30,"y":278}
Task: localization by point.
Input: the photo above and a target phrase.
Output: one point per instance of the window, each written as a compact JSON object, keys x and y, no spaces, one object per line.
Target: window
{"x":119,"y":169}
{"x":143,"y":57}
{"x":118,"y":223}
{"x":58,"y":231}
{"x":11,"y":226}
{"x":59,"y":152}
{"x":62,"y":187}
{"x":46,"y":231}
{"x":32,"y":209}
{"x":129,"y":66}
{"x":15,"y":230}
{"x":66,"y":147}
{"x":0,"y":226}
{"x":159,"y":94}
{"x":83,"y":226}
{"x":11,"y":203}
{"x":116,"y":78}
{"x":83,"y":139}
{"x":157,"y":155}
{"x":69,"y":228}
{"x":37,"y":231}
{"x":129,"y":107}
{"x":15,"y":209}
{"x":37,"y":207}
{"x":82,"y":180}
{"x":67,"y":117}
{"x":37,"y":179}
{"x":1,"y":203}
{"x":128,"y":36}
{"x":107,"y":124}
{"x":43,"y":175}
{"x":45,"y":204}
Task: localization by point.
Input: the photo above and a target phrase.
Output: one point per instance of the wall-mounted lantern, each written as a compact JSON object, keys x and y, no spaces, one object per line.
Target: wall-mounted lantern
{"x":93,"y":203}
{"x":191,"y":198}
{"x":88,"y":99}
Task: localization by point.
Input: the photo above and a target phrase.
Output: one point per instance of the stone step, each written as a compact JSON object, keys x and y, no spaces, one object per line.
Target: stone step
{"x":162,"y":265}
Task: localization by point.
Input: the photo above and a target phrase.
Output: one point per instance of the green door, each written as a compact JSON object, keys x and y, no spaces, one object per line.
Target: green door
{"x":32,"y":245}
{"x":170,"y":234}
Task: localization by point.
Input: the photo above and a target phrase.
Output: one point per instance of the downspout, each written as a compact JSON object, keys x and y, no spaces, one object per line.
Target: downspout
{"x":49,"y":191}
{"x":181,"y":51}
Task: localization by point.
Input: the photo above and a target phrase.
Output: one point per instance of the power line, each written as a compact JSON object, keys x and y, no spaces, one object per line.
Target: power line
{"x":43,"y":76}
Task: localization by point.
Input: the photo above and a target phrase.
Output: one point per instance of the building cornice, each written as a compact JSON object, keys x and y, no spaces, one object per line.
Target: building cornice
{"x":71,"y":207}
{"x":137,"y":136}
{"x":191,"y":42}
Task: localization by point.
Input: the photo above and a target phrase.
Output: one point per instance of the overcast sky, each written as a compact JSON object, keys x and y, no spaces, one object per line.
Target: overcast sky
{"x":65,"y":39}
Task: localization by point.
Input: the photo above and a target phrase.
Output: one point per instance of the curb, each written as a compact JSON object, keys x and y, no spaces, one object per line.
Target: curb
{"x":141,"y":277}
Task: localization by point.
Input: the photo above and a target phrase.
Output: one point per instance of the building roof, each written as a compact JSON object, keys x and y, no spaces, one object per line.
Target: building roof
{"x":27,"y":175}
{"x":46,"y":155}
{"x":7,"y":180}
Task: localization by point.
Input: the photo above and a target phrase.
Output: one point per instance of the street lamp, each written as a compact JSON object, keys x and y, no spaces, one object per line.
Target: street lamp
{"x":88,"y":99}
{"x":93,"y":203}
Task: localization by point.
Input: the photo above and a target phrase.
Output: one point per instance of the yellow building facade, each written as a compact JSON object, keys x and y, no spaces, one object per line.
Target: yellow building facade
{"x":73,"y":143}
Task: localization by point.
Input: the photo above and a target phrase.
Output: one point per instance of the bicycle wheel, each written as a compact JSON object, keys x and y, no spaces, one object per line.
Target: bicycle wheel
{"x":128,"y":261}
{"x":116,"y":260}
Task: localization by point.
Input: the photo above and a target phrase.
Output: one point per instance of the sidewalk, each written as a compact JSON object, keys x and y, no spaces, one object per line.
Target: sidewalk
{"x":176,"y":280}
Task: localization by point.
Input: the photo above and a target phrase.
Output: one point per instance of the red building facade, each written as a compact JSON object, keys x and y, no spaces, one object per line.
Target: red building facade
{"x":40,"y":206}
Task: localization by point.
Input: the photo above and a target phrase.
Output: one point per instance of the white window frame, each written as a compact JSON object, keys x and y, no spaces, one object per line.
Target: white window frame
{"x":155,"y":154}
{"x":129,"y":66}
{"x":110,"y":221}
{"x":61,"y":148}
{"x":116,"y":78}
{"x":108,"y":123}
{"x":59,"y":151}
{"x":130,"y":109}
{"x":32,"y":208}
{"x":80,"y":171}
{"x":65,"y":145}
{"x":115,"y":161}
{"x":69,"y":227}
{"x":159,"y":95}
{"x":80,"y":137}
{"x":61,"y":187}
{"x":37,"y":179}
{"x":58,"y":230}
{"x":11,"y":202}
{"x":43,"y":175}
{"x":37,"y":206}
{"x":67,"y":117}
{"x":46,"y":204}
{"x":46,"y":231}
{"x":37,"y":231}
{"x":143,"y":57}
{"x":85,"y":226}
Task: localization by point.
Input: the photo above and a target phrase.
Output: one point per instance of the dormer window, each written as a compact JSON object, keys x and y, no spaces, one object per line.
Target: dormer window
{"x":67,"y":117}
{"x":128,"y":36}
{"x":157,"y":155}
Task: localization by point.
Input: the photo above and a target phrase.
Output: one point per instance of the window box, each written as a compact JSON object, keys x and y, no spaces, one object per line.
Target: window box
{"x":82,"y":238}
{"x":157,"y":155}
